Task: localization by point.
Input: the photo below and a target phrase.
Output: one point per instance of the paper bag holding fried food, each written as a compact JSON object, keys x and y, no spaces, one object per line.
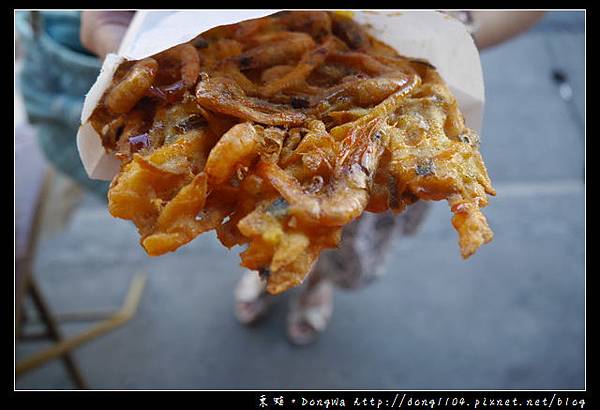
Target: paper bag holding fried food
{"x":278,"y":131}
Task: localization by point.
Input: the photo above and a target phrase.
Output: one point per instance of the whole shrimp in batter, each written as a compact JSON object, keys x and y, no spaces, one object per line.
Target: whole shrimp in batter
{"x":125,"y":95}
{"x":236,"y":145}
{"x":347,"y":195}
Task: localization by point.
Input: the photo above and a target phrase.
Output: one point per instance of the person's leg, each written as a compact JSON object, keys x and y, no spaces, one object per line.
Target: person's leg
{"x":310,"y":314}
{"x":359,"y":259}
{"x":311,"y":311}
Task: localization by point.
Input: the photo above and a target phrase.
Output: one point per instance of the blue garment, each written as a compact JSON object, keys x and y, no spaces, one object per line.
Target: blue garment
{"x":57,"y":73}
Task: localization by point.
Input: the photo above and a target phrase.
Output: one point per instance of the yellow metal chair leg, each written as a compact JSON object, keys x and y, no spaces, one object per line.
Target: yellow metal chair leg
{"x":65,"y":346}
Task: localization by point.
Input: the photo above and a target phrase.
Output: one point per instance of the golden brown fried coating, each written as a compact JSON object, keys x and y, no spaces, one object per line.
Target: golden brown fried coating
{"x":278,"y":132}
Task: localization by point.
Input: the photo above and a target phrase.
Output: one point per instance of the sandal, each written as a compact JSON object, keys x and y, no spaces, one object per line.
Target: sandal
{"x":252,"y":301}
{"x":310,"y":313}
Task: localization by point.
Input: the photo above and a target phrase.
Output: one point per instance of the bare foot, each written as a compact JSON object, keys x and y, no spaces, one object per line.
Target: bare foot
{"x":252,"y":301}
{"x":310,"y":313}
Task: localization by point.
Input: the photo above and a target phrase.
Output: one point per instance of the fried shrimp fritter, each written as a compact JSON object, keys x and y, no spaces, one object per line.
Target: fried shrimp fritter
{"x":278,"y":132}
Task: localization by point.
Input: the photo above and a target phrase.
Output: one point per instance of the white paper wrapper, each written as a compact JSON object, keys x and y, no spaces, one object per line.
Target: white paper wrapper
{"x":436,"y":37}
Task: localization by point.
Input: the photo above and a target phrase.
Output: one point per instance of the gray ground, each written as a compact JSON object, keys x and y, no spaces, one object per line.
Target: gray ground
{"x":510,"y":317}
